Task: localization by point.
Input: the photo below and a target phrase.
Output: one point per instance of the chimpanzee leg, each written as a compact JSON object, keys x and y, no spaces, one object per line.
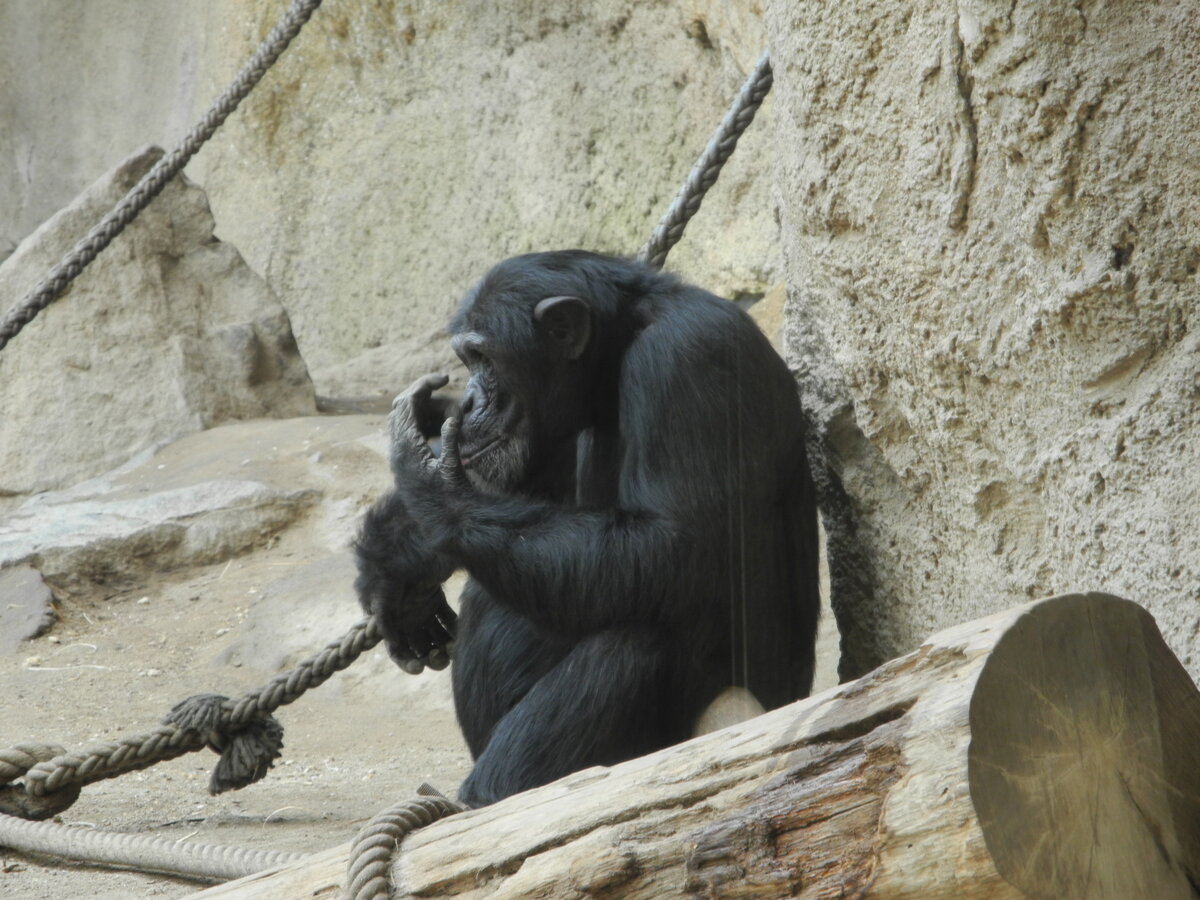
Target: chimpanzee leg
{"x":605,"y":702}
{"x":499,"y":656}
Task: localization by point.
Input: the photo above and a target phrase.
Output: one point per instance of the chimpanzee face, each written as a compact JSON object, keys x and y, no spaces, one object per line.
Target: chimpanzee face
{"x":529,"y":378}
{"x":498,"y":425}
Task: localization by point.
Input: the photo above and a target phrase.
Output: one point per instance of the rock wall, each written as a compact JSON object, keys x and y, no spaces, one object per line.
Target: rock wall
{"x":398,"y":149}
{"x":991,"y":243}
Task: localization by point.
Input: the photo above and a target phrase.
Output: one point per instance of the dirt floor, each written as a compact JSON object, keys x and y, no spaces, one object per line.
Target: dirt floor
{"x":114,"y":665}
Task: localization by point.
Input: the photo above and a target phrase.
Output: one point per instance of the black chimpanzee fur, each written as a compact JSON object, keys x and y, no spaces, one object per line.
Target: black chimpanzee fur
{"x":626,"y":485}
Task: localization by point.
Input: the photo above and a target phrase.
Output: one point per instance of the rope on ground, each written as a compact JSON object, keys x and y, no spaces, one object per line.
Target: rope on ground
{"x":243,"y":731}
{"x":372,"y":851}
{"x":156,"y":179}
{"x":704,"y":173}
{"x":202,"y":862}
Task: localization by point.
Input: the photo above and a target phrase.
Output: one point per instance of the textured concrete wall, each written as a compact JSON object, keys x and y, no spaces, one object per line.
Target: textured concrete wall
{"x":991,"y":241}
{"x":398,"y":149}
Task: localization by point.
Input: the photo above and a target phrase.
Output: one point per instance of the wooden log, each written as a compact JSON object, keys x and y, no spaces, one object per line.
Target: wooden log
{"x":1048,"y":751}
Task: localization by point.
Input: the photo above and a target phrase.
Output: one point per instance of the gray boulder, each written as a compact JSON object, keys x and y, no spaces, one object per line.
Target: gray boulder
{"x":116,"y":536}
{"x":26,"y":606}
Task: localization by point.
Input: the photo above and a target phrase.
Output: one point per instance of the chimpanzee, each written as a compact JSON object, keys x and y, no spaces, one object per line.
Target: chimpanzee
{"x":626,"y":485}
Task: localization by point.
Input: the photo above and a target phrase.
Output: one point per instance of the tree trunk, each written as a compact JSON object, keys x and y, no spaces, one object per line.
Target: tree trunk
{"x":1048,"y":751}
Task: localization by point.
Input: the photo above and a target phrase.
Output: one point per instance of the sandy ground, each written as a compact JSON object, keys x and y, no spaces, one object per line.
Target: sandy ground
{"x":115,"y":664}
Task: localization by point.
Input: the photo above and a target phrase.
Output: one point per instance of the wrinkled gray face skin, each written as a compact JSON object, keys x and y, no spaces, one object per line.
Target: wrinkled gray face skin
{"x":497,"y":431}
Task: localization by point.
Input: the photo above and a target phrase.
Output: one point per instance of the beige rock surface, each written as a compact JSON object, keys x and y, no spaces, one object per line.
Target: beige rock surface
{"x":992,"y":245}
{"x":167,"y":332}
{"x":134,"y":640}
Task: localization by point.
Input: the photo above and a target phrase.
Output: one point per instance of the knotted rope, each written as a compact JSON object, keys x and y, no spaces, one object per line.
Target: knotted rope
{"x":242,"y":731}
{"x":152,"y":183}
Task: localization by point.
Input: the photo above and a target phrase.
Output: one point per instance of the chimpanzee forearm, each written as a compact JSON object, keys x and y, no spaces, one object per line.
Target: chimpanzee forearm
{"x":393,"y":553}
{"x":574,"y":572}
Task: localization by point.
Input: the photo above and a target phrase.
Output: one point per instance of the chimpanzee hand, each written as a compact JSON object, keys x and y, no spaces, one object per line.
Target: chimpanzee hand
{"x":413,"y":462}
{"x":399,"y":583}
{"x":412,"y":642}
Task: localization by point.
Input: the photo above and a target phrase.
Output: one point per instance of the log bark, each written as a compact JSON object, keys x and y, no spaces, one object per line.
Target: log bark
{"x":1048,"y":751}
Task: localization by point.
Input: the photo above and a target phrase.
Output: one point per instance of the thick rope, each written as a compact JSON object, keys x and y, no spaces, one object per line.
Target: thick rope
{"x":156,"y":179}
{"x":138,"y":851}
{"x":372,"y":851}
{"x":241,"y":730}
{"x":704,"y":173}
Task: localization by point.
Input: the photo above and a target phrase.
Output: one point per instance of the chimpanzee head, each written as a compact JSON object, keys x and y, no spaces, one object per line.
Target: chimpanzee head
{"x":533,"y":334}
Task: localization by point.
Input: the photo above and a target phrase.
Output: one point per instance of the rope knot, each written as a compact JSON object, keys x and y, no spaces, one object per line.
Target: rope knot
{"x":248,"y":750}
{"x":15,"y":797}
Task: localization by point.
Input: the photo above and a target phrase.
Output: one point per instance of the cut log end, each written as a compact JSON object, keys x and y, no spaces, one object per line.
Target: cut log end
{"x":1084,"y":766}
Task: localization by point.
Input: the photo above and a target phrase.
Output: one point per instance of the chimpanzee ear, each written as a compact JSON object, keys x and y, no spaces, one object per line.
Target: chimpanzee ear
{"x":568,"y":323}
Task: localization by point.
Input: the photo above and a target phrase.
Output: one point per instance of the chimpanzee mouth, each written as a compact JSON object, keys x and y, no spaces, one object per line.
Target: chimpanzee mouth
{"x":469,"y":457}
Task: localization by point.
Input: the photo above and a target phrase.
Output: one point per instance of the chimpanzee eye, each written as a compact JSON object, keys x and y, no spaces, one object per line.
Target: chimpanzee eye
{"x":469,"y":350}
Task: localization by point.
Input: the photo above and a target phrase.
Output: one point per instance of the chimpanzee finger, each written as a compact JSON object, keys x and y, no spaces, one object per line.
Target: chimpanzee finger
{"x":407,"y":441}
{"x":420,"y":640}
{"x":437,"y":633}
{"x":402,"y":420}
{"x":437,"y":657}
{"x":411,"y":666}
{"x":404,"y":659}
{"x":450,"y":462}
{"x":420,"y":405}
{"x":448,"y":617}
{"x":439,"y":409}
{"x":420,"y":389}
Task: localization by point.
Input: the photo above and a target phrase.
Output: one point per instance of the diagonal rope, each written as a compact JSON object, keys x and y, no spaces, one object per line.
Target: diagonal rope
{"x":704,"y":173}
{"x":152,"y":183}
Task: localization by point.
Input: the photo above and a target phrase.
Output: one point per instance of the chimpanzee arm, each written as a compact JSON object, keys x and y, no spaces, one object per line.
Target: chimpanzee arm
{"x":400,"y":575}
{"x":572,"y":571}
